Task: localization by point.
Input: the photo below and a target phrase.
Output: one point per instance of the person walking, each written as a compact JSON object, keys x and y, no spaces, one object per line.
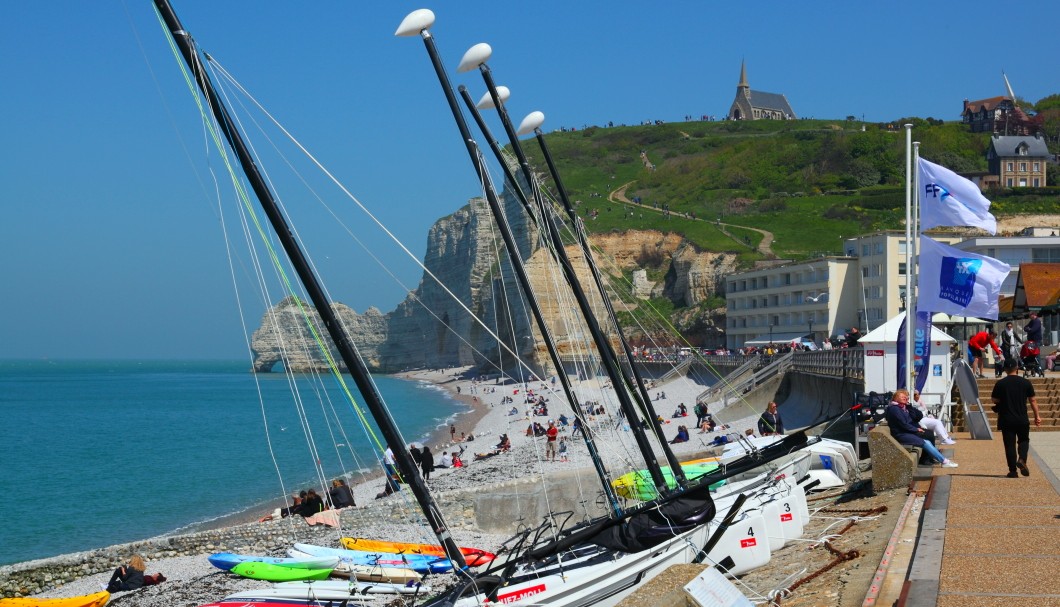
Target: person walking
{"x":1011,"y":395}
{"x":550,"y":441}
{"x":1033,"y":329}
{"x":426,"y":463}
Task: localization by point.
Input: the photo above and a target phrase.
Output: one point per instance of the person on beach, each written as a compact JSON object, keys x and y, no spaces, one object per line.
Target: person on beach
{"x":563,"y":449}
{"x":128,"y":577}
{"x":447,"y":460}
{"x":770,"y":424}
{"x":908,"y":433}
{"x":1011,"y":395}
{"x":426,"y":463}
{"x":312,"y":504}
{"x":550,"y":441}
{"x":340,"y":494}
{"x":682,"y":435}
{"x":294,"y":508}
{"x":414,"y":451}
{"x":452,"y":432}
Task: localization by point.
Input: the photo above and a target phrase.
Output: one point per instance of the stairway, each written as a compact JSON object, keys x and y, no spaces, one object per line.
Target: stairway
{"x":1047,"y":394}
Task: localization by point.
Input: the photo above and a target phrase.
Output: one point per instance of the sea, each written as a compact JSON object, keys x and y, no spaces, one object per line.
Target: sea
{"x":97,"y":453}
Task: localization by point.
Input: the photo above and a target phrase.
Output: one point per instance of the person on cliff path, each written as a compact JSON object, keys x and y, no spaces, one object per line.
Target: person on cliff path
{"x":1011,"y":395}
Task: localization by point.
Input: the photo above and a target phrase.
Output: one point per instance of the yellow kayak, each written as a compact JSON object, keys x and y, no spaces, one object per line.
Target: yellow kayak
{"x":98,"y":599}
{"x":369,"y":573}
{"x":473,"y":556}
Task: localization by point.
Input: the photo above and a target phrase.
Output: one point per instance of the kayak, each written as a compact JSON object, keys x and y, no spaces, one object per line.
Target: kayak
{"x":88,"y":600}
{"x":368,"y":573}
{"x":638,"y":484}
{"x":333,"y":590}
{"x":226,"y":560}
{"x":273,"y":602}
{"x":473,"y":556}
{"x":420,"y":563}
{"x":278,"y":573}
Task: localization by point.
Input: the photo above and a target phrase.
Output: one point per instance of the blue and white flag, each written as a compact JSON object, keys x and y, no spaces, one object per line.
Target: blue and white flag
{"x":958,"y":282}
{"x":947,"y":199}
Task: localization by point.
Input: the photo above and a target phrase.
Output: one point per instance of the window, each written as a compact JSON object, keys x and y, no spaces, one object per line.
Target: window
{"x":901,"y":247}
{"x":878,"y":249}
{"x":1008,"y":182}
{"x":901,"y":268}
{"x":1037,"y":182}
{"x":865,"y":272}
{"x":1023,"y":167}
{"x":864,"y":250}
{"x":1037,"y":166}
{"x":1008,"y":167}
{"x":1023,"y":182}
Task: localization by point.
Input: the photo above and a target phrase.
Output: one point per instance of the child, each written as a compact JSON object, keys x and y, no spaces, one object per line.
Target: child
{"x":563,"y":449}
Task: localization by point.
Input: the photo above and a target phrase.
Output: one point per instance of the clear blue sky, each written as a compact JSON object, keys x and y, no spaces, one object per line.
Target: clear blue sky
{"x":109,"y":243}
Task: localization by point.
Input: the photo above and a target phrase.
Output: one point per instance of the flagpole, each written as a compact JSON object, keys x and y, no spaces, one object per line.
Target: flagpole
{"x":914,"y":267}
{"x":908,"y":255}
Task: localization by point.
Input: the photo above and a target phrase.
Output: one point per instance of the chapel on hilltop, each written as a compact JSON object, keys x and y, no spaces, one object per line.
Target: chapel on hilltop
{"x":756,"y":105}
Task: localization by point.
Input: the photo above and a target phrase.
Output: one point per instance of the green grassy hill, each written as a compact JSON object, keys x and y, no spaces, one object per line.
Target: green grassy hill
{"x":809,"y":182}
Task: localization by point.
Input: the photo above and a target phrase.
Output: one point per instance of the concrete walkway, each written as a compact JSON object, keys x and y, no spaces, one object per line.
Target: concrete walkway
{"x":986,"y":540}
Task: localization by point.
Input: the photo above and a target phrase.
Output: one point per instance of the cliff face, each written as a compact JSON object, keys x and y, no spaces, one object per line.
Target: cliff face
{"x":430,"y":329}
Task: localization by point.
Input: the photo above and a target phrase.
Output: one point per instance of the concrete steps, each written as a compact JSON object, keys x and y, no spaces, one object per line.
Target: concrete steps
{"x":1047,"y":394}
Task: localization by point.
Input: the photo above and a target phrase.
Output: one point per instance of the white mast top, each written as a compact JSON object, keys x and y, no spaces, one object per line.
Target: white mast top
{"x":416,"y":22}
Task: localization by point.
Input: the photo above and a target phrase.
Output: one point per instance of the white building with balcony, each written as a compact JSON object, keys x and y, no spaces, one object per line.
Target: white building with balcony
{"x":791,"y":302}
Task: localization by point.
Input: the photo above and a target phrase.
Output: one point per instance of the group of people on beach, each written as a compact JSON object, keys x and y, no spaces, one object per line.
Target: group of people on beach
{"x":131,"y":576}
{"x":307,"y":502}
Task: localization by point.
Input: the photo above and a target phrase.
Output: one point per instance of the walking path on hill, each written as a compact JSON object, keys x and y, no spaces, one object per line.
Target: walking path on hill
{"x":765,"y":247}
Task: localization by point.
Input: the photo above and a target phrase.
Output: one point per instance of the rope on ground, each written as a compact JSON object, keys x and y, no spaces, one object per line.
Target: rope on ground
{"x":777,"y":595}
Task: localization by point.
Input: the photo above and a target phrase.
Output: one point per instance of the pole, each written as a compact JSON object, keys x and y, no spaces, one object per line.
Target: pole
{"x":345,"y":346}
{"x":914,"y":267}
{"x":908,"y":256}
{"x":603,"y":345}
{"x":510,"y":245}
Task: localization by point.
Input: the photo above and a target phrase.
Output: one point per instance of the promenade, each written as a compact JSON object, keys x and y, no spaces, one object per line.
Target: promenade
{"x":986,"y":540}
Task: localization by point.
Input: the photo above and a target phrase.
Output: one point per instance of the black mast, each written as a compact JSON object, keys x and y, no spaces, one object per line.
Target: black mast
{"x":347,"y":349}
{"x":513,"y":249}
{"x":603,"y":345}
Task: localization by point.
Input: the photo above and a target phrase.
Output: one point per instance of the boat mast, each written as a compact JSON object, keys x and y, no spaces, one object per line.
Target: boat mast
{"x":348,"y":351}
{"x":603,"y":345}
{"x":578,"y":227}
{"x":418,"y":23}
{"x":478,"y":55}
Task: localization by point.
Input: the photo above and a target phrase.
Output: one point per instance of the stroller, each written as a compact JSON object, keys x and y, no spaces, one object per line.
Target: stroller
{"x":1029,"y":360}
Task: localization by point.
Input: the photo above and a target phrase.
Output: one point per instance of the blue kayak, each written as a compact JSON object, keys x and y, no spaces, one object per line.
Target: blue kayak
{"x":225,"y":561}
{"x":420,"y":563}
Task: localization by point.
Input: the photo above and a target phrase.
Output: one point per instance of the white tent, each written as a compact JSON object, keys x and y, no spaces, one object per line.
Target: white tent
{"x":881,"y":361}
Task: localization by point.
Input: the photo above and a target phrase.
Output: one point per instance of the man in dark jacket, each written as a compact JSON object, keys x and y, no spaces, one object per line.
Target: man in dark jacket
{"x":1011,"y":395}
{"x":1034,"y":329}
{"x":340,"y":494}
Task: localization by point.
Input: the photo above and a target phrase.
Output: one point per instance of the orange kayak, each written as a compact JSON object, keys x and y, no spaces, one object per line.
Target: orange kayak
{"x":473,"y":556}
{"x":89,"y":600}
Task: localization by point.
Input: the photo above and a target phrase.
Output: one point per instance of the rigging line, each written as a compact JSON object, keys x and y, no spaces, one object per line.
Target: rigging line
{"x":241,"y":192}
{"x":229,"y":78}
{"x":285,"y":280}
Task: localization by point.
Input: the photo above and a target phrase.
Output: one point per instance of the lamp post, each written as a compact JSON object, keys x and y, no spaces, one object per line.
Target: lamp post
{"x":809,"y":326}
{"x":772,"y":323}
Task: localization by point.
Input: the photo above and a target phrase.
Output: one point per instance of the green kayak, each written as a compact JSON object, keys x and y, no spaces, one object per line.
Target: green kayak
{"x":278,"y":573}
{"x":638,"y":484}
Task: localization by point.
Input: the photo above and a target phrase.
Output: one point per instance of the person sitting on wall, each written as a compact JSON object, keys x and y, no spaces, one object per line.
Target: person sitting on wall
{"x":906,"y":432}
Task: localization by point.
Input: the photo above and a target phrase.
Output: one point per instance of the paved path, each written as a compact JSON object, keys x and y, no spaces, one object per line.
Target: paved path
{"x":765,"y":247}
{"x":986,"y":540}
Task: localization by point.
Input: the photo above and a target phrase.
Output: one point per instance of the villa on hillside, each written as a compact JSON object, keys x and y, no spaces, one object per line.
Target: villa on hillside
{"x":1018,"y":161}
{"x":757,"y":105}
{"x":999,"y":115}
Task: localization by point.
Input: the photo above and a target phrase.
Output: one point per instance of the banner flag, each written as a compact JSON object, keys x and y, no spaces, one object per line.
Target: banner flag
{"x":921,"y":350}
{"x":947,"y":199}
{"x":958,"y":282}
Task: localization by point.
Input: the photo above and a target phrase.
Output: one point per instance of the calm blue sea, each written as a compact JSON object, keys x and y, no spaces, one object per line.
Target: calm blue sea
{"x":99,"y":453}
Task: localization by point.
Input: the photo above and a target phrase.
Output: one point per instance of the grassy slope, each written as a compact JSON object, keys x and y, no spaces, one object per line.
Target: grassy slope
{"x":810,"y":182}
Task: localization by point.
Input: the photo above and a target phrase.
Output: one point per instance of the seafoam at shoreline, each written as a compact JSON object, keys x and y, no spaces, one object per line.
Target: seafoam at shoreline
{"x":486,"y":418}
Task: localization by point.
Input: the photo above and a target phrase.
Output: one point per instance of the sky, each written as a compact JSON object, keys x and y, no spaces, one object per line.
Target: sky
{"x":111,"y":243}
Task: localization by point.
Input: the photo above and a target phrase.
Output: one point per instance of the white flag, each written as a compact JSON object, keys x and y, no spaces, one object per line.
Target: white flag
{"x":947,"y":199}
{"x":958,"y":282}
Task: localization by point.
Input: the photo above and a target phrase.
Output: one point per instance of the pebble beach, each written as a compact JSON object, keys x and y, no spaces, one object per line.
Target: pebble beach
{"x":191,"y":580}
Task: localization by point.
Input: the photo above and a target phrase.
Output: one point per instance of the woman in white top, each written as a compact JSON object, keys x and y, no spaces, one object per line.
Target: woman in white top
{"x":929,"y":422}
